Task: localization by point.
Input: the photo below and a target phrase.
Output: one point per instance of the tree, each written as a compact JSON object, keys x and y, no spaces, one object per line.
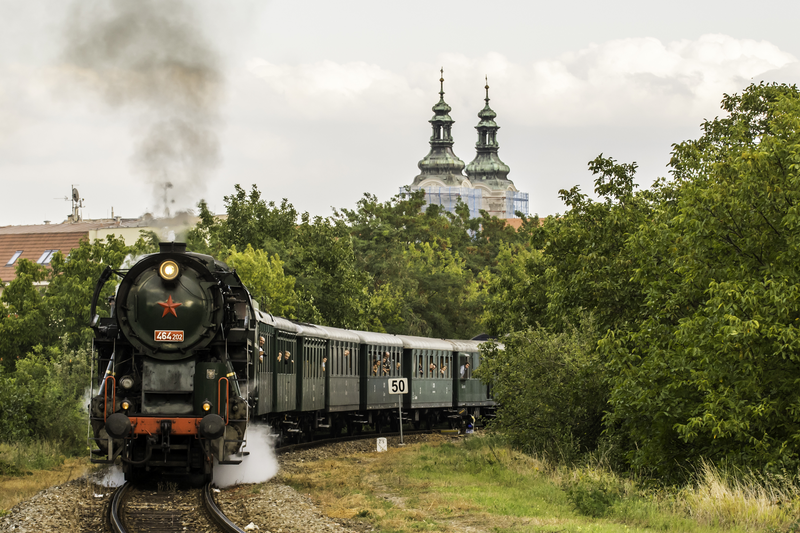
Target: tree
{"x":712,"y":369}
{"x":516,"y":294}
{"x":25,"y":319}
{"x":264,"y":277}
{"x":439,"y":295}
{"x":576,"y":263}
{"x":72,"y":285}
{"x":550,"y":388}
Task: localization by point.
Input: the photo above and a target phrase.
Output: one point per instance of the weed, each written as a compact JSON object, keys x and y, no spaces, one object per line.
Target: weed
{"x":592,"y":495}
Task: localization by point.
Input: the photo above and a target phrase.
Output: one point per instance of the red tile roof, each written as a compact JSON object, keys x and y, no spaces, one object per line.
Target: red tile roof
{"x":33,"y":246}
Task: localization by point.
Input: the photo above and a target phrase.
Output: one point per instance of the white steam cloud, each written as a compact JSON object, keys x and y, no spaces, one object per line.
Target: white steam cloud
{"x":259,"y":466}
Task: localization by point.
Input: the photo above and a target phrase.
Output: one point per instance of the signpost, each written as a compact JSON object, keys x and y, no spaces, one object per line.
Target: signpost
{"x":399,"y":386}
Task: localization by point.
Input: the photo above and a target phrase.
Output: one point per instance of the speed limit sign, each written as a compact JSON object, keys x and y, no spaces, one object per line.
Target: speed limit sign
{"x":398,"y":385}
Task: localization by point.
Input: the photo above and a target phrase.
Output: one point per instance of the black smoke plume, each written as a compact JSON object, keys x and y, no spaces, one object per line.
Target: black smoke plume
{"x":152,"y":57}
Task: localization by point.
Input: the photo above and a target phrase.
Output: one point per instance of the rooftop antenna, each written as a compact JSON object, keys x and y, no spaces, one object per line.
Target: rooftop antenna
{"x":77,"y":204}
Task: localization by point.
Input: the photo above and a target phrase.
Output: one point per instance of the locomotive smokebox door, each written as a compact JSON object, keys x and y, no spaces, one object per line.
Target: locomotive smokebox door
{"x":167,"y":387}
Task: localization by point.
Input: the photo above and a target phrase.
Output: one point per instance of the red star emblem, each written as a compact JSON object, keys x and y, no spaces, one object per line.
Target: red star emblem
{"x":169,"y":307}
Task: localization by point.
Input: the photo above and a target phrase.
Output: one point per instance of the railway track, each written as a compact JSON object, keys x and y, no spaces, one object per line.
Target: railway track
{"x":137,"y":510}
{"x":134,"y":509}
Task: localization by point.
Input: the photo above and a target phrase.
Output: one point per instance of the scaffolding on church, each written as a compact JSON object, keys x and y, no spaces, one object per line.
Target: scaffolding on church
{"x":516,"y":201}
{"x":448,"y":197}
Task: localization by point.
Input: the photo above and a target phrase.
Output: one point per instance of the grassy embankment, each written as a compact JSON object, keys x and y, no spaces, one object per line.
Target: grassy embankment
{"x":25,"y":470}
{"x":479,"y":484}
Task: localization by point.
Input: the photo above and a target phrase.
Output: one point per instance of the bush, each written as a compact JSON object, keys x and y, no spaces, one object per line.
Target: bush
{"x":42,"y":400}
{"x":550,"y":389}
{"x":591,"y":493}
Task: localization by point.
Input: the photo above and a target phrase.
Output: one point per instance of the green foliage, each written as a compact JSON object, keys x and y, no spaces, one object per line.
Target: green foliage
{"x":587,"y":264}
{"x":42,"y":399}
{"x":575,"y":263}
{"x":550,"y":389}
{"x":592,"y":495}
{"x":324,"y":265}
{"x":147,"y":243}
{"x":25,"y":319}
{"x":265,"y":279}
{"x":516,"y":294}
{"x":439,"y":294}
{"x":428,"y":267}
{"x":712,"y":369}
{"x":72,"y":285}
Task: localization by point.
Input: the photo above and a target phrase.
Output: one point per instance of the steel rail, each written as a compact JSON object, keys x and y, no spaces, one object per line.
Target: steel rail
{"x":114,"y":517}
{"x":217,"y":515}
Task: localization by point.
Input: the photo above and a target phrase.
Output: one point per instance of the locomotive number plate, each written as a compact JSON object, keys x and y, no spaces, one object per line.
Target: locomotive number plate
{"x":168,"y":335}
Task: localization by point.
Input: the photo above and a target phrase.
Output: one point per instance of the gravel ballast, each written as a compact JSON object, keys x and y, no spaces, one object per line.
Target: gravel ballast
{"x":269,"y":507}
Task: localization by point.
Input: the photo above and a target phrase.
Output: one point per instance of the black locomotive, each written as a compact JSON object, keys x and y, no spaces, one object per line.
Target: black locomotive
{"x":186,"y":360}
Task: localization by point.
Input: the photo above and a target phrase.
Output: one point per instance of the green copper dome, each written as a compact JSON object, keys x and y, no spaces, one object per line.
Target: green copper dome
{"x":441,"y":164}
{"x":487,"y":168}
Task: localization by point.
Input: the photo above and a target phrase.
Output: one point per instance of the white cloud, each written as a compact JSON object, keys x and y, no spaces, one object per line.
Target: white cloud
{"x":619,"y":79}
{"x":645,"y":77}
{"x":322,"y":88}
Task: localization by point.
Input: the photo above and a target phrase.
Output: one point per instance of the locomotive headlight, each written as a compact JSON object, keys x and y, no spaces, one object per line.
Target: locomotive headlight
{"x":126,"y":382}
{"x":206,"y":405}
{"x":126,"y":405}
{"x":168,"y":270}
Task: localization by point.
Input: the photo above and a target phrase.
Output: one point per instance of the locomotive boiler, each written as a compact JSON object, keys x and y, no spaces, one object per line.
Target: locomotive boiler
{"x":172,"y":362}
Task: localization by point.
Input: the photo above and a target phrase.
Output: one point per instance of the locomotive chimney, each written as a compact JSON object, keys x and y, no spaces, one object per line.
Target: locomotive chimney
{"x":177,"y":247}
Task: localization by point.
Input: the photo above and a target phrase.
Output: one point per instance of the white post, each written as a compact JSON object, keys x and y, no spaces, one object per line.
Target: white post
{"x":400,"y":417}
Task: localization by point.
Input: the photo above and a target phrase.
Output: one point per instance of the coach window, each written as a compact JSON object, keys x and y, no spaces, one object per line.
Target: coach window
{"x":373,"y":362}
{"x":334,"y":358}
{"x":351,"y":355}
{"x":349,"y":359}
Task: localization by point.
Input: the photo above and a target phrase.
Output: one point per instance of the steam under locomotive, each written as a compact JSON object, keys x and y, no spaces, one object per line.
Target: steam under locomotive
{"x":186,"y":360}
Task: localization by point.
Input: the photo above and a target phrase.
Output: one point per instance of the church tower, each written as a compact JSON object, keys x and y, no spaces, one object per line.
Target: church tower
{"x":487,"y":169}
{"x":441,"y":167}
{"x":486,"y":186}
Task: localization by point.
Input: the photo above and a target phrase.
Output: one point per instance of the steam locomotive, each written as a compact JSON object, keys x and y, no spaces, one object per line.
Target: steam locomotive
{"x":186,"y":360}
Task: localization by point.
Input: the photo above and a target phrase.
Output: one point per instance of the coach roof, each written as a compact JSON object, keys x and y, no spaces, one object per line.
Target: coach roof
{"x":338,"y":334}
{"x":424,"y":343}
{"x":379,"y":339}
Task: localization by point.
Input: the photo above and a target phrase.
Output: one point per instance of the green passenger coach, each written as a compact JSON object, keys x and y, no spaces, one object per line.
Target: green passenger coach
{"x":468,"y":391}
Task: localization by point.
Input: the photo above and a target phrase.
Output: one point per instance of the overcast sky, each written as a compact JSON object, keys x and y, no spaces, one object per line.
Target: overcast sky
{"x":321,"y":101}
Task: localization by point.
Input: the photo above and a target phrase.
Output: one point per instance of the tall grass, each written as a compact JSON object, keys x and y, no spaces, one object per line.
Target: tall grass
{"x":17,"y":458}
{"x":752,"y":501}
{"x":716,"y":499}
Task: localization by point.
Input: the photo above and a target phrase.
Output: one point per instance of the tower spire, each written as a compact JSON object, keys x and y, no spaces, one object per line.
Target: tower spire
{"x":441,"y":166}
{"x":487,"y":168}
